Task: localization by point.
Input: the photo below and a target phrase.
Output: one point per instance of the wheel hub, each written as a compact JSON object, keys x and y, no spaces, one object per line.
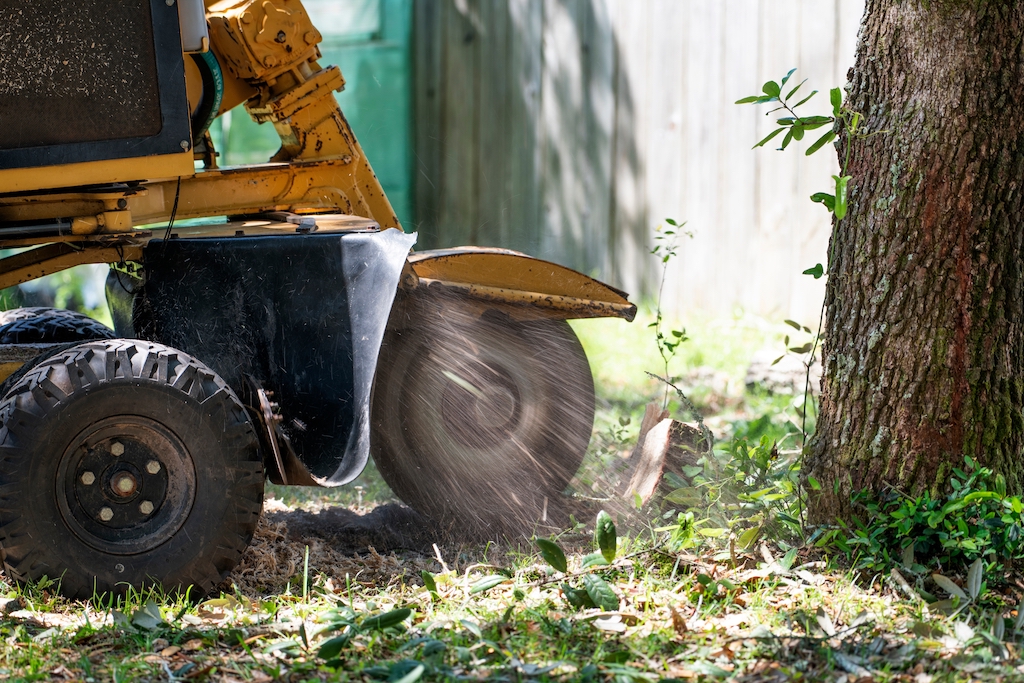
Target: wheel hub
{"x":480,"y":405}
{"x":126,"y":484}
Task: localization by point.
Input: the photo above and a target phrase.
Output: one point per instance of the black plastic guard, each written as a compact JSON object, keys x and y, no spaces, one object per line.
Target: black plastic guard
{"x":304,"y":314}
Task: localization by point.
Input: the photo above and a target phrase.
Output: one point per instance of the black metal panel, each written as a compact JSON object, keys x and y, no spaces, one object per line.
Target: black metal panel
{"x":304,"y":314}
{"x":90,"y":80}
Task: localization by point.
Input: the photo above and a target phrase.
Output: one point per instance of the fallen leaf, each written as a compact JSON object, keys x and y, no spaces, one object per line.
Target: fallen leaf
{"x":678,"y":623}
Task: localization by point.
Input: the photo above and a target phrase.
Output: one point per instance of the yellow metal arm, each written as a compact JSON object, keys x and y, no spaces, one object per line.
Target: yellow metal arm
{"x":271,"y":46}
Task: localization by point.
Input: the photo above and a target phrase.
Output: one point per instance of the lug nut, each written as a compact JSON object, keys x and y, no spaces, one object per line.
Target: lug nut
{"x":106,"y":514}
{"x":117,"y":448}
{"x":152,"y":466}
{"x":146,"y":507}
{"x":88,"y":478}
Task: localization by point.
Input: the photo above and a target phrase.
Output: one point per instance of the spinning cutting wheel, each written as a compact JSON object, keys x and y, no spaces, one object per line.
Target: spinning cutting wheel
{"x":480,"y":421}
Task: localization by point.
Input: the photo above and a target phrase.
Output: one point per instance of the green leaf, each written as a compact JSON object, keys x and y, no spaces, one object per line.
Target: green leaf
{"x":148,"y":616}
{"x":948,"y":586}
{"x":429,"y":583}
{"x":806,"y":348}
{"x":415,"y":674}
{"x":707,"y":669}
{"x":829,"y":200}
{"x":604,"y":535}
{"x":787,"y":77}
{"x":804,"y":100}
{"x":577,"y":597}
{"x":842,"y":184}
{"x":748,"y":100}
{"x":601,"y":593}
{"x":748,"y":537}
{"x":788,"y":559}
{"x":815,"y":120}
{"x":821,"y":142}
{"x":768,"y":138}
{"x":333,"y":647}
{"x":792,"y":323}
{"x":835,"y":95}
{"x":999,"y":484}
{"x":687,"y":496}
{"x":974,"y":577}
{"x":788,"y":139}
{"x":793,"y":91}
{"x":712,"y":532}
{"x":593,"y":560}
{"x":387,"y":619}
{"x":552,"y":554}
{"x":671,"y":221}
{"x":487,"y":583}
{"x":771,"y":89}
{"x":814,"y":483}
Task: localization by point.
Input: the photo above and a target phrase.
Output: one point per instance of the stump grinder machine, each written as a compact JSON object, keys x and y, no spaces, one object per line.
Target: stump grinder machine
{"x":270,"y":321}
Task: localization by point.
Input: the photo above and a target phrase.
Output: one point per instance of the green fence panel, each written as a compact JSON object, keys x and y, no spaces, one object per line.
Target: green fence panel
{"x":370,"y":40}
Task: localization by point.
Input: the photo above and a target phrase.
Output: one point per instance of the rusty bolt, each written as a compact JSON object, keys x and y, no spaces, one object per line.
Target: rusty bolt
{"x":124,"y":484}
{"x":184,"y":145}
{"x":117,"y":448}
{"x":106,"y":514}
{"x":269,"y":61}
{"x":310,"y":37}
{"x":146,"y":507}
{"x":152,"y":466}
{"x":88,"y":478}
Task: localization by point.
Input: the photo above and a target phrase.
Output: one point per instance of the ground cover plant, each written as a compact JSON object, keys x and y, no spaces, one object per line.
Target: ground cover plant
{"x":716,"y":579}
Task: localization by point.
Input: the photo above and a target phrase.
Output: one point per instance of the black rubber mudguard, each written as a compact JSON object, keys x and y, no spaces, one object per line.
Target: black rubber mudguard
{"x":304,"y":314}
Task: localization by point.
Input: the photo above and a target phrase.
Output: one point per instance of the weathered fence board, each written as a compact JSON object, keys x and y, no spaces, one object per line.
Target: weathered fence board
{"x":570,"y":128}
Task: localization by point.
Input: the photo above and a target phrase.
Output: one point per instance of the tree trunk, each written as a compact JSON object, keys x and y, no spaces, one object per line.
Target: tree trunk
{"x":924,"y":355}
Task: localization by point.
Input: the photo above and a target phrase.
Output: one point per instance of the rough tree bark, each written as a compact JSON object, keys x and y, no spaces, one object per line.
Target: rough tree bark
{"x":924,"y":354}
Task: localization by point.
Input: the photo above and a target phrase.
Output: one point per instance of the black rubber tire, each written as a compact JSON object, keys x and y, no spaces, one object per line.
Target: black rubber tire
{"x":41,"y":325}
{"x":477,"y":420}
{"x":82,"y":418}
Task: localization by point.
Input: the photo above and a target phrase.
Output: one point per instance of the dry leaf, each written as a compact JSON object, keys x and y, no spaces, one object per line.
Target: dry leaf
{"x":678,"y":623}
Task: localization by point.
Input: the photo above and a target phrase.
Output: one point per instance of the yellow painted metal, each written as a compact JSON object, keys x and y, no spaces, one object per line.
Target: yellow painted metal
{"x":268,"y":51}
{"x":528,"y":286}
{"x":80,"y":204}
{"x":96,"y":173}
{"x":302,"y":187}
{"x":77,"y":250}
{"x":53,"y":258}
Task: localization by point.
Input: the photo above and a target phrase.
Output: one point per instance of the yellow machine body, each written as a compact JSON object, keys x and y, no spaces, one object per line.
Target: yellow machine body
{"x":268,"y":53}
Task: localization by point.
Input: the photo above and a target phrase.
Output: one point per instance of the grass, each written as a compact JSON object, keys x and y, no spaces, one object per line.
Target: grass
{"x":682,"y":606}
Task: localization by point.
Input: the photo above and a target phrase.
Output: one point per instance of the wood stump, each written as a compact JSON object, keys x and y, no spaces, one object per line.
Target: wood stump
{"x":663,"y":446}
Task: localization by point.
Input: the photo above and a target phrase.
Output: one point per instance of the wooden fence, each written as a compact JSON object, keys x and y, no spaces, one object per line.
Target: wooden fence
{"x":569,"y":129}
